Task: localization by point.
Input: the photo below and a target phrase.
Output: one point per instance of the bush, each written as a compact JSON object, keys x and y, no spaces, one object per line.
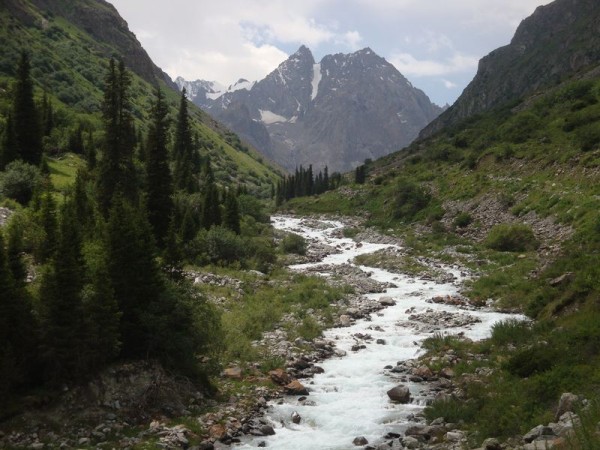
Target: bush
{"x":220,"y":245}
{"x":511,"y":238}
{"x":409,"y":199}
{"x":294,"y":243}
{"x":463,"y":219}
{"x":19,"y":181}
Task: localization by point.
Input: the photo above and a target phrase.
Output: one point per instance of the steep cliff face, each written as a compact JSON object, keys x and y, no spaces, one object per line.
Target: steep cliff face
{"x":555,"y":42}
{"x":103,"y":23}
{"x":336,"y":113}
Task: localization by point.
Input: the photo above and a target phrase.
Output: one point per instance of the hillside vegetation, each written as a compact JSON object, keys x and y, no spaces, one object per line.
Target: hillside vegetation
{"x":514,"y":194}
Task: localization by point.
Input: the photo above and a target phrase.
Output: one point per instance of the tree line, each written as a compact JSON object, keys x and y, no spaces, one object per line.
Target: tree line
{"x":304,"y":183}
{"x":108,"y":256}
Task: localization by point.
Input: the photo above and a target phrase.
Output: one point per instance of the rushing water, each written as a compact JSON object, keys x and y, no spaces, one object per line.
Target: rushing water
{"x":350,"y":396}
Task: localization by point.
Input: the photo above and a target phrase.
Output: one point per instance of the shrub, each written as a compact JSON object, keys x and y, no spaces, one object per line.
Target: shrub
{"x":294,"y":243}
{"x":511,"y":238}
{"x":463,"y":219}
{"x":409,"y":199}
{"x":19,"y":181}
{"x":220,"y":245}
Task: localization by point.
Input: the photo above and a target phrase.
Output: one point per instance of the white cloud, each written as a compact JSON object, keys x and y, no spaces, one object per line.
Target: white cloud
{"x":449,"y":84}
{"x":351,"y":39}
{"x":408,"y":65}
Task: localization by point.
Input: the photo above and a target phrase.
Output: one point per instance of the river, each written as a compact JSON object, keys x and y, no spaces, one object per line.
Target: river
{"x":349,"y":399}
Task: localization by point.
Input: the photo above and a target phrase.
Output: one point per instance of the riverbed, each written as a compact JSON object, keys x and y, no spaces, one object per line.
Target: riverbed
{"x":349,"y":398}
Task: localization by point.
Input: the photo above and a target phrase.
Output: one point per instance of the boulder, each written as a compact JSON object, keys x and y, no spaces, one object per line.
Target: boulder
{"x":567,"y":403}
{"x":295,"y":388}
{"x":267,"y":430}
{"x":399,"y":394}
{"x":387,"y":301}
{"x":410,"y":442}
{"x":280,"y":377}
{"x":423,"y":372}
{"x":446,"y":372}
{"x":360,"y":440}
{"x":455,"y":436}
{"x":296,"y":417}
{"x":217,"y":432}
{"x":234,"y":373}
{"x":491,"y":444}
{"x":345,"y":320}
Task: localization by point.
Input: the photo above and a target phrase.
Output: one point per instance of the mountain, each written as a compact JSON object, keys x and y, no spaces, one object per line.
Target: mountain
{"x":69,"y":43}
{"x":336,"y":113}
{"x":557,"y":41}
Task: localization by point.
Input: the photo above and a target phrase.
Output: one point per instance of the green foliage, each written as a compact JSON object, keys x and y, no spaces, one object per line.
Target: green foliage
{"x":293,"y":243}
{"x":409,"y":199}
{"x":219,"y":245}
{"x":511,"y":238}
{"x":19,"y":181}
{"x":462,"y":219}
{"x":231,"y":213}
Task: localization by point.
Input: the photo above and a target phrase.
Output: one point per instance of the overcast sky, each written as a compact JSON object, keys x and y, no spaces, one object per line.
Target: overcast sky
{"x":436,"y":44}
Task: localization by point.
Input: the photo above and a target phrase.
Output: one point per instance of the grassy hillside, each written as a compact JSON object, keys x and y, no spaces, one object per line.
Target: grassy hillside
{"x":514,"y":195}
{"x":69,"y":63}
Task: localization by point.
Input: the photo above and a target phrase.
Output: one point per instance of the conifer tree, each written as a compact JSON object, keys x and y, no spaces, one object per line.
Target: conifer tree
{"x":183,"y":149}
{"x":8,"y":148}
{"x":134,"y":273}
{"x":26,"y":121}
{"x":49,"y":224}
{"x":17,"y":329}
{"x":61,"y":303}
{"x":211,"y":212}
{"x":231,"y":218}
{"x":158,"y":175}
{"x":47,"y":115}
{"x":14,"y":252}
{"x":116,"y":169}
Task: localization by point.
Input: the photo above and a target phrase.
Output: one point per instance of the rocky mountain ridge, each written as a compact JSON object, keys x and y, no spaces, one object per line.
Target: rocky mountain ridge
{"x":335,"y":113}
{"x":555,"y":42}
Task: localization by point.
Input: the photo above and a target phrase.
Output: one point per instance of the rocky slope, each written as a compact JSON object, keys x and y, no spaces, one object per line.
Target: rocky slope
{"x":336,"y":113}
{"x":557,"y":41}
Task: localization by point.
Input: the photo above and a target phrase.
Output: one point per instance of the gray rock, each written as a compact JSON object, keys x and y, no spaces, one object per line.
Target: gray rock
{"x":455,"y":436}
{"x":400,"y":394}
{"x":267,"y":430}
{"x":387,"y":301}
{"x":567,"y":403}
{"x":410,"y":442}
{"x":491,"y":444}
{"x":296,"y":417}
{"x":360,"y":440}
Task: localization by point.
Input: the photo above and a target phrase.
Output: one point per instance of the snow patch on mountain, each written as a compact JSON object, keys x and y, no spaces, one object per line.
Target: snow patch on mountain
{"x":269,"y":117}
{"x":242,"y":83}
{"x":316,"y":80}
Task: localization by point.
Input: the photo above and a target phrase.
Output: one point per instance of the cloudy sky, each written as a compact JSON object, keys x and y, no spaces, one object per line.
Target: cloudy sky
{"x":436,"y":44}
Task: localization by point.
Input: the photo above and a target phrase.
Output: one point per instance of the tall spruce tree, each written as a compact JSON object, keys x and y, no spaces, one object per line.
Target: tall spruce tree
{"x":211,"y":211}
{"x":17,"y":329}
{"x":231,"y":214}
{"x":8,"y":147}
{"x":158,"y":176}
{"x":134,"y":273}
{"x":63,"y":327}
{"x":116,"y":168}
{"x":183,"y":149}
{"x":49,"y":223}
{"x":26,"y":120}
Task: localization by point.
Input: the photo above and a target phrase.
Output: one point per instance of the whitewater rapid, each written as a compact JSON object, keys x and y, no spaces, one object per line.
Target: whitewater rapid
{"x":350,"y":397}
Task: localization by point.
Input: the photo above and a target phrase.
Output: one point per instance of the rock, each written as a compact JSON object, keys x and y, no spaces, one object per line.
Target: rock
{"x":280,"y":377}
{"x":455,"y":436}
{"x":387,"y":301}
{"x":234,"y":373}
{"x":296,"y":417}
{"x":399,"y":394}
{"x":37,"y":445}
{"x":566,"y":403}
{"x":380,"y":341}
{"x":295,"y":388}
{"x":446,"y":372}
{"x":84,"y":441}
{"x":217,"y":432}
{"x":410,"y":442}
{"x":360,"y":440}
{"x":262,"y":444}
{"x":565,"y":277}
{"x":491,"y":444}
{"x":206,"y":445}
{"x":423,"y":372}
{"x":537,"y":432}
{"x":267,"y":430}
{"x":345,"y":320}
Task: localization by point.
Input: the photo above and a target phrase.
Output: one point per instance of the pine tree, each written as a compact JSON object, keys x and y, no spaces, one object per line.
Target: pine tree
{"x":211,"y":212}
{"x":47,"y":115}
{"x":102,"y":315}
{"x":17,"y":329}
{"x":49,"y":223}
{"x":158,"y":175}
{"x":116,"y":169}
{"x":183,"y":149}
{"x":26,"y":121}
{"x":14,"y":253}
{"x":231,"y":217}
{"x":63,"y":328}
{"x":8,"y":149}
{"x":134,"y":273}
